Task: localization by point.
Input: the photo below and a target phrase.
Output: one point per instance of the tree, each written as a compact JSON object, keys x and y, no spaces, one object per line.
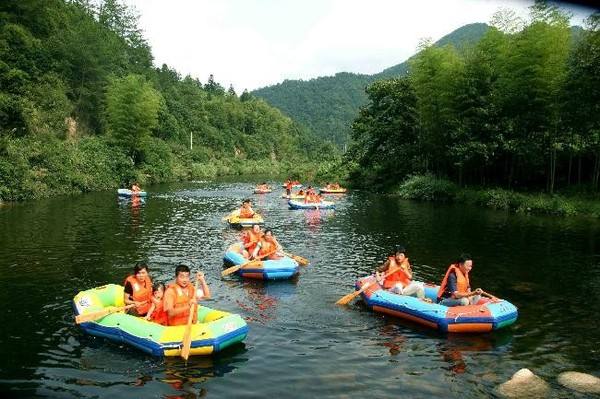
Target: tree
{"x":132,"y":107}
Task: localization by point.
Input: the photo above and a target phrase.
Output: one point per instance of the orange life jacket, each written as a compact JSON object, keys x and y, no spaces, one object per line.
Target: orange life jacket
{"x":182,"y":298}
{"x":251,"y":240}
{"x":159,"y":315}
{"x":141,"y":293}
{"x":399,"y":276}
{"x":462,"y":280}
{"x":246,"y":213}
{"x":268,"y":248}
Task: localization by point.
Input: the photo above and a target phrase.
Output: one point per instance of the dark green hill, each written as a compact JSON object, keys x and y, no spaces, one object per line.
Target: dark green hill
{"x":328,"y":105}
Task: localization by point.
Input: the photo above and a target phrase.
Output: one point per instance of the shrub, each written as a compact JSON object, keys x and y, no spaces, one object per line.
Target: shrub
{"x":427,"y":188}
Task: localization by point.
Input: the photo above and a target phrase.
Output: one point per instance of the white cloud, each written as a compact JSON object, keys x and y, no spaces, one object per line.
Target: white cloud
{"x":253,"y":43}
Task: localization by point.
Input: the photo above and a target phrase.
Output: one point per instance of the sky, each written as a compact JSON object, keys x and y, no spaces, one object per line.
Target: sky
{"x":255,"y":43}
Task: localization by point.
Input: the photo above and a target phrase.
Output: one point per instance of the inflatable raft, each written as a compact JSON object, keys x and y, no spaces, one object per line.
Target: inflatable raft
{"x":259,"y":191}
{"x":279,"y":269}
{"x":293,"y":196}
{"x":236,"y":221}
{"x":215,"y":330}
{"x":333,"y":191}
{"x":124,"y":192}
{"x":310,"y":205}
{"x":478,"y":318}
{"x":298,"y":185}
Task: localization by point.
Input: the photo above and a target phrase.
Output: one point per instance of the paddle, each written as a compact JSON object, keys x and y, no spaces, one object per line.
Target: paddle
{"x":231,"y":214}
{"x":187,"y":334}
{"x":347,"y":298}
{"x":301,"y":261}
{"x":255,"y":262}
{"x":492,"y":297}
{"x":83,"y":318}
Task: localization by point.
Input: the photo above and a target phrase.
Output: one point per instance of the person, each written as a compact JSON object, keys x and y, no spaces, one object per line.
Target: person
{"x":311,"y":196}
{"x":246,"y":211}
{"x":288,"y":187}
{"x":268,"y":247}
{"x":455,"y":289}
{"x":138,"y":290}
{"x":250,"y":239}
{"x":157,"y":313}
{"x":180,"y":296}
{"x":264,"y":186}
{"x":135,"y":187}
{"x":399,"y":281}
{"x":300,"y":192}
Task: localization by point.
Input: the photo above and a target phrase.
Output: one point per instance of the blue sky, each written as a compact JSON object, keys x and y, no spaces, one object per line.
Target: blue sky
{"x":255,"y":43}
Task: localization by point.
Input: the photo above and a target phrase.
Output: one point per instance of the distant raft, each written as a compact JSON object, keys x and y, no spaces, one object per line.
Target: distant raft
{"x":124,"y":192}
{"x":236,"y":221}
{"x":279,"y":269}
{"x":310,"y":205}
{"x":333,"y":190}
{"x":261,"y":191}
{"x":293,"y":196}
{"x":215,"y":331}
{"x":297,"y":185}
{"x":479,"y":318}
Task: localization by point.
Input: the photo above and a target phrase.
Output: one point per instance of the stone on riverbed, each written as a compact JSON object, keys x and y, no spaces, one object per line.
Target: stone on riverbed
{"x":580,"y":382}
{"x":524,"y":384}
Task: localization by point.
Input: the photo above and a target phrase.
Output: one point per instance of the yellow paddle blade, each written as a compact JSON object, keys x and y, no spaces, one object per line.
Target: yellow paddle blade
{"x":301,"y":261}
{"x":84,"y":318}
{"x":347,"y":298}
{"x":235,"y":268}
{"x":187,"y":334}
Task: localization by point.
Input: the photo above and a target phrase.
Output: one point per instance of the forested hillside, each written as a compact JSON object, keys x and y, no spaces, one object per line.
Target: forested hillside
{"x":83,"y":108}
{"x":518,"y":110}
{"x":328,"y":105}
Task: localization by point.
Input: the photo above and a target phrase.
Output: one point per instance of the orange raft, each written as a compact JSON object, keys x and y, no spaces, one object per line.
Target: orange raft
{"x":482,"y":317}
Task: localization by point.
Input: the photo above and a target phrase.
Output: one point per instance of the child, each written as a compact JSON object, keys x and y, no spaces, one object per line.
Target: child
{"x":156,"y":313}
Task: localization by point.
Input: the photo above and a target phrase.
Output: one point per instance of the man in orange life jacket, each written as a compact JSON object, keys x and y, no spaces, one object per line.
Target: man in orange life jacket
{"x":246,"y":211}
{"x":268,"y":247}
{"x":455,"y":289}
{"x":138,"y":290}
{"x":180,"y":296}
{"x":400,"y":281}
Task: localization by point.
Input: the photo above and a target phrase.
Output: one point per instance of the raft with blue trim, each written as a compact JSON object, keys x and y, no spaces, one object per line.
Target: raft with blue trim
{"x":293,"y":196}
{"x":483,"y":317}
{"x":333,"y":190}
{"x":215,"y":330}
{"x":124,"y":192}
{"x":311,"y":205}
{"x":279,"y":269}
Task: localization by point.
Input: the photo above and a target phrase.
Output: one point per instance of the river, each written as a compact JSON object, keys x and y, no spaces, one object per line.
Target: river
{"x":300,"y":344}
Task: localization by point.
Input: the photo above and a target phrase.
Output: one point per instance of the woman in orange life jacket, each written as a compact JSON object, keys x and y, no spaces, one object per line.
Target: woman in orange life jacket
{"x":180,"y":296}
{"x":250,"y":239}
{"x":455,"y":289}
{"x":399,"y":282}
{"x":268,"y":247}
{"x":157,"y":313}
{"x":246,"y":211}
{"x":138,"y":290}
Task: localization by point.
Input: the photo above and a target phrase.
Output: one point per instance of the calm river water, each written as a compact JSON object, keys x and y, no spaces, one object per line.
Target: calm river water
{"x":300,"y":344}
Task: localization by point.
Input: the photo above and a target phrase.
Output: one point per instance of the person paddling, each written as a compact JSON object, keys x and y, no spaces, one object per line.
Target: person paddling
{"x":399,"y":282}
{"x":138,"y":290}
{"x":455,"y":289}
{"x":268,"y":247}
{"x":180,"y":295}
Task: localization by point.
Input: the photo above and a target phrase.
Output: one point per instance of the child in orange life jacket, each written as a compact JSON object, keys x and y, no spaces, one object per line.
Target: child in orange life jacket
{"x":157,"y":312}
{"x":268,"y":247}
{"x":400,"y":281}
{"x":180,"y":296}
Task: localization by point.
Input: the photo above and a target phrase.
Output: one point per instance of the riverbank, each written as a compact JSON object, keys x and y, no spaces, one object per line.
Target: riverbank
{"x":429,"y":188}
{"x":39,"y":167}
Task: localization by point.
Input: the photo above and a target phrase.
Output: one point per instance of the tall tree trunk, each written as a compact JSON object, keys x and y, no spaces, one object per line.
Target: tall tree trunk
{"x":552,"y":169}
{"x":570,"y":168}
{"x":579,"y":170}
{"x":511,"y":171}
{"x":460,"y":176}
{"x":596,"y":175}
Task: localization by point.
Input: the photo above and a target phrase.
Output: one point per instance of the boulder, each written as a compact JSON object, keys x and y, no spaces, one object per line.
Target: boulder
{"x":580,"y":382}
{"x":524,"y":384}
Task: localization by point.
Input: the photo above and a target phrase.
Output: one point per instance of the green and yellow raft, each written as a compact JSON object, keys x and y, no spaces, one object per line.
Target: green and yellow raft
{"x":215,"y":330}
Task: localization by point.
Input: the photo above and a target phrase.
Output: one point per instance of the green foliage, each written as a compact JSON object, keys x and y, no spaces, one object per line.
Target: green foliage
{"x":427,"y":188}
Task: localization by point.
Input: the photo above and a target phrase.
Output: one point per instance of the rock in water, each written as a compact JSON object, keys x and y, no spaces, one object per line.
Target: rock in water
{"x":524,"y":384}
{"x":580,"y":382}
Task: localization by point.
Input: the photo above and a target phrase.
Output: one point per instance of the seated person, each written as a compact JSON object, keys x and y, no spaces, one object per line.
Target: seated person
{"x":157,"y":312}
{"x":268,"y":247}
{"x":250,"y":240}
{"x":135,"y":187}
{"x":455,"y":289}
{"x":246,"y":211}
{"x":399,"y":281}
{"x":138,"y":290}
{"x":180,"y":296}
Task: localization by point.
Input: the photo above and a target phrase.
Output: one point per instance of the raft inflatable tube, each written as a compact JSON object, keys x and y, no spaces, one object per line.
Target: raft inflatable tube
{"x":124,"y":192}
{"x":279,"y":269}
{"x":215,"y":331}
{"x":333,"y":191}
{"x":236,"y":221}
{"x":483,"y":317}
{"x":292,"y":196}
{"x":293,"y":186}
{"x":259,"y":191}
{"x":311,"y":205}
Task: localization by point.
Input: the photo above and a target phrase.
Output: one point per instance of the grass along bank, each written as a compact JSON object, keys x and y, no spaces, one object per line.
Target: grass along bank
{"x":430,"y":188}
